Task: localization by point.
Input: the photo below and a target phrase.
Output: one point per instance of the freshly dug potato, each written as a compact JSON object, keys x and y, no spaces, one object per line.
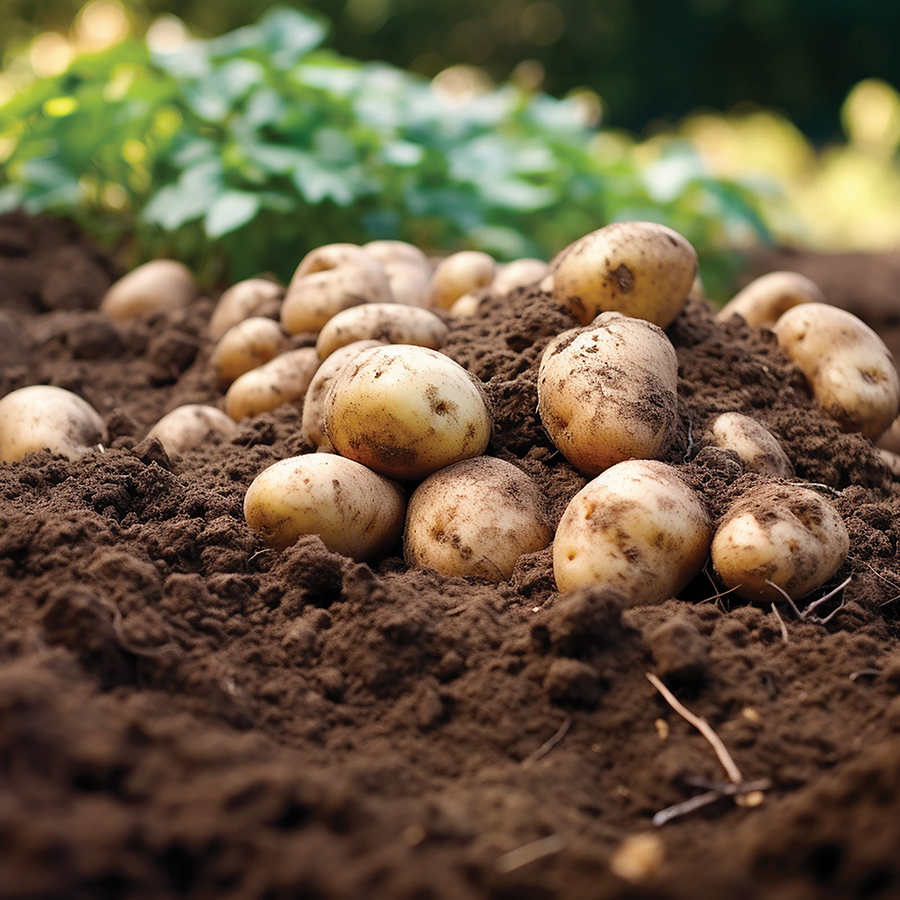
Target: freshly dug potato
{"x":638,"y":527}
{"x":466,"y":306}
{"x":757,"y":448}
{"x":780,"y":533}
{"x":849,"y":369}
{"x":519,"y":273}
{"x":284,"y":379}
{"x":189,"y":426}
{"x":641,"y":269}
{"x":43,"y":417}
{"x":407,"y":268}
{"x":766,"y":298}
{"x":159,"y":286}
{"x":312,"y":428}
{"x":607,"y":393}
{"x":891,"y":460}
{"x":388,"y":252}
{"x":475,"y":519}
{"x":330,"y":279}
{"x":246,"y":346}
{"x":392,"y":323}
{"x":406,"y":411}
{"x":354,"y":511}
{"x":241,"y":301}
{"x":459,"y":274}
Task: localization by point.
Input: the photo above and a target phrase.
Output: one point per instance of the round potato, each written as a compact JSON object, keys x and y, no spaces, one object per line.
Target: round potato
{"x":768,"y":297}
{"x":284,"y":379}
{"x":641,"y":269}
{"x":159,"y":286}
{"x":247,"y":298}
{"x":406,"y":411}
{"x":519,"y":273}
{"x":849,"y":369}
{"x":459,"y":274}
{"x":245,"y":346}
{"x":638,"y":527}
{"x":43,"y":417}
{"x":354,"y":511}
{"x":475,"y":519}
{"x":189,"y":426}
{"x":607,"y":393}
{"x":756,"y":447}
{"x":779,"y":536}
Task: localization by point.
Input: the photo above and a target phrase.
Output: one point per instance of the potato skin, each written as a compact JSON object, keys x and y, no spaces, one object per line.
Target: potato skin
{"x":356,"y":512}
{"x":756,"y":447}
{"x":247,"y":298}
{"x":186,"y":427}
{"x":638,"y":527}
{"x":459,"y":274}
{"x":158,"y":286}
{"x":789,"y":535}
{"x":768,"y":297}
{"x":607,"y":392}
{"x":641,"y":269}
{"x":284,"y":379}
{"x":245,"y":346}
{"x":475,"y":518}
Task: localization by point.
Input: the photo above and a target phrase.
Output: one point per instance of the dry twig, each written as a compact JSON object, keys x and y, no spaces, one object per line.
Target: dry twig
{"x":547,"y":746}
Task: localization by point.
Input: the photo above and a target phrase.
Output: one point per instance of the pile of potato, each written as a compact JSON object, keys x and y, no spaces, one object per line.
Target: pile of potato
{"x":402,"y":429}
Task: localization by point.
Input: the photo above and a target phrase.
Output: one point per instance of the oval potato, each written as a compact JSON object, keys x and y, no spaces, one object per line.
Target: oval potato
{"x":158,"y":286}
{"x":459,"y":274}
{"x":519,"y":273}
{"x":245,"y":346}
{"x":756,"y":447}
{"x":247,"y":298}
{"x":768,"y":297}
{"x":284,"y":379}
{"x":188,"y":426}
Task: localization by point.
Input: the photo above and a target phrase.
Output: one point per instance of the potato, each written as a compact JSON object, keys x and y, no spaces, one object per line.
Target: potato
{"x":638,"y":527}
{"x":284,"y":379}
{"x":407,"y":268}
{"x":245,"y":346}
{"x":406,"y":411}
{"x":466,"y":306}
{"x":354,"y":511}
{"x":159,"y":286}
{"x":849,"y":369}
{"x":607,"y":393}
{"x":766,"y":298}
{"x":756,"y":447}
{"x":312,"y":428}
{"x":459,"y":274}
{"x":43,"y":417}
{"x":475,"y":518}
{"x":328,"y":280}
{"x":189,"y":426}
{"x":519,"y":273}
{"x":241,"y":301}
{"x":891,"y":460}
{"x":389,"y":252}
{"x":780,"y":533}
{"x":392,"y":323}
{"x":641,"y":269}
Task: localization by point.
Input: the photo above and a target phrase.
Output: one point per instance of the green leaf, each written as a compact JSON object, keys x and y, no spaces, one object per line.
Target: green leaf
{"x":188,"y":199}
{"x":230,"y":211}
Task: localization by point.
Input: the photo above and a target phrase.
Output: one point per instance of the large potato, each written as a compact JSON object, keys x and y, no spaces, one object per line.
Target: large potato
{"x":607,"y":393}
{"x":756,"y":447}
{"x":354,"y":511}
{"x":768,"y":297}
{"x":849,"y":369}
{"x":475,"y":519}
{"x":159,"y":286}
{"x":638,"y":527}
{"x":406,"y":411}
{"x":284,"y":379}
{"x":640,"y":269}
{"x":779,"y":533}
{"x":247,"y":298}
{"x":189,"y":426}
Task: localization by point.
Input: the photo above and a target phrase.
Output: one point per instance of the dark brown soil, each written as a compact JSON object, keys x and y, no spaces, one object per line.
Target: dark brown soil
{"x":186,"y":714}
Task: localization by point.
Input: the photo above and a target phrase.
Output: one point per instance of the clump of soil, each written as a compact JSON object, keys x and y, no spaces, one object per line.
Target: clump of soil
{"x":184,"y":713}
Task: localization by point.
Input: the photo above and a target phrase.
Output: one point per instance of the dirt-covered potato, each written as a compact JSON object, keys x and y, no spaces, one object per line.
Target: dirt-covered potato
{"x":766,"y":298}
{"x":780,"y":533}
{"x":459,"y":274}
{"x":354,"y":511}
{"x":849,"y":369}
{"x":189,"y":426}
{"x":159,"y":286}
{"x":392,"y":323}
{"x":475,"y":519}
{"x":245,"y":346}
{"x":641,"y":269}
{"x":638,"y":527}
{"x":43,"y":417}
{"x":406,"y":411}
{"x":407,"y":268}
{"x":284,"y":379}
{"x":330,"y":279}
{"x":519,"y":273}
{"x":607,"y":392}
{"x":756,"y":447}
{"x":247,"y":298}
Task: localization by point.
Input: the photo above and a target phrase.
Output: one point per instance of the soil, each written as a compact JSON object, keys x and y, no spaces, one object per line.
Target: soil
{"x":184,"y":713}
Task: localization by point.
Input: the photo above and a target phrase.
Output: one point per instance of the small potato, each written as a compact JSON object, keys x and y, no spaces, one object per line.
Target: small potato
{"x":641,"y":269}
{"x":406,"y":411}
{"x":284,"y":379}
{"x":246,"y":346}
{"x":159,"y":286}
{"x":43,"y":417}
{"x":459,"y":274}
{"x":519,"y":273}
{"x":241,"y":301}
{"x":891,"y":460}
{"x":407,"y":268}
{"x":849,"y":369}
{"x":607,"y":393}
{"x":790,"y":536}
{"x":475,"y":519}
{"x":354,"y":511}
{"x":756,"y":447}
{"x":638,"y":527}
{"x":766,"y":298}
{"x":390,"y":252}
{"x":328,"y":280}
{"x":392,"y":323}
{"x":466,"y":306}
{"x":189,"y":426}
